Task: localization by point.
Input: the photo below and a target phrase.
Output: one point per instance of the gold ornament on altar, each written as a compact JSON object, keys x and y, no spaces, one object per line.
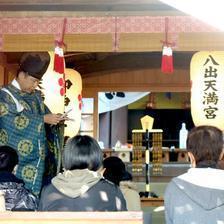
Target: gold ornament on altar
{"x":138,"y":148}
{"x":157,"y":152}
{"x":152,"y":139}
{"x":147,"y":122}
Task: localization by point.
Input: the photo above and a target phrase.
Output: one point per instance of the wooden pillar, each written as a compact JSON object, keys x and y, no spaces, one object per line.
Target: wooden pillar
{"x":3,"y":75}
{"x":7,"y":71}
{"x":104,"y":129}
{"x":119,"y":124}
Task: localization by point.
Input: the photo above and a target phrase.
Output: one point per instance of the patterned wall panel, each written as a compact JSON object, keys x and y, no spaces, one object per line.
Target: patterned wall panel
{"x":116,"y":26}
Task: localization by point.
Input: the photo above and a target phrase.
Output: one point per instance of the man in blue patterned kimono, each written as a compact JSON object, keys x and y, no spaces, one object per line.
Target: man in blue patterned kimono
{"x":23,"y":116}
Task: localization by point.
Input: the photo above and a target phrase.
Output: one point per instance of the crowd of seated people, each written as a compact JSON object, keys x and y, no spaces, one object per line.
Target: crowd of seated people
{"x":80,"y":187}
{"x":194,"y":197}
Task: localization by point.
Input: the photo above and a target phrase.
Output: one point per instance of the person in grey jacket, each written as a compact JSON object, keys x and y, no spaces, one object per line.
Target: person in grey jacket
{"x":17,"y":197}
{"x":198,"y":195}
{"x":81,"y":187}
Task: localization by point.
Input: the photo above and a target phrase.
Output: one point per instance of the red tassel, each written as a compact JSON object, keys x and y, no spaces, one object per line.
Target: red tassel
{"x":167,"y":60}
{"x":59,"y":64}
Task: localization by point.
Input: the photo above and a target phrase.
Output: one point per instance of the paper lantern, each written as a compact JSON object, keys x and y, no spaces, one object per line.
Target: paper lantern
{"x":60,"y":100}
{"x":53,"y":88}
{"x":207,"y":95}
{"x":73,"y":101}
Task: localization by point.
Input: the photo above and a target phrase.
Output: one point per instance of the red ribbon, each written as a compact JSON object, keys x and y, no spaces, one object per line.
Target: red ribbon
{"x":166,"y":42}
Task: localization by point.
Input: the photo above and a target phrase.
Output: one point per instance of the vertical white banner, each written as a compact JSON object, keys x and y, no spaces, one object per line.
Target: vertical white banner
{"x":207,"y":90}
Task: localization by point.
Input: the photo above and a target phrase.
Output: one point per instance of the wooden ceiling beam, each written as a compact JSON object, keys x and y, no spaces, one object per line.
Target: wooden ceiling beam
{"x":86,"y":7}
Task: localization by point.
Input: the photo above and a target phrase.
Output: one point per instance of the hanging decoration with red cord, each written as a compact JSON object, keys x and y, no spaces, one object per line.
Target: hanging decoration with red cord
{"x":59,"y":62}
{"x":167,"y":53}
{"x":62,"y":87}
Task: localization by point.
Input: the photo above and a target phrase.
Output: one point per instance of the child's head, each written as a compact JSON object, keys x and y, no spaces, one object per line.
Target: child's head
{"x":114,"y":169}
{"x":82,"y":152}
{"x":8,"y":158}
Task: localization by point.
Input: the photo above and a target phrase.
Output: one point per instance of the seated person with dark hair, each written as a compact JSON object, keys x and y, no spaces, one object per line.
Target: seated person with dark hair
{"x":81,"y":187}
{"x":198,"y":195}
{"x":17,"y":197}
{"x":115,"y":171}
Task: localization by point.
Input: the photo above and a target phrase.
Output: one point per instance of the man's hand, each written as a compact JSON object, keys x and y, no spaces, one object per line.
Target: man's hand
{"x":53,"y":118}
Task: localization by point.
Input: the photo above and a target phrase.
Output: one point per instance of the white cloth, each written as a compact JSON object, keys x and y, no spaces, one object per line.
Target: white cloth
{"x":117,"y":102}
{"x":129,"y":190}
{"x":19,"y":106}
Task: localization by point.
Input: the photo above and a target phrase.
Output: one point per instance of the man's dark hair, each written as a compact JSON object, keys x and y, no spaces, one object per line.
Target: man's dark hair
{"x":206,"y":144}
{"x":8,"y":158}
{"x":82,"y":152}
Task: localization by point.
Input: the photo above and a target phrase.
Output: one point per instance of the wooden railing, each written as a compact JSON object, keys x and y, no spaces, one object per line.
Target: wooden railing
{"x":72,"y":217}
{"x":152,"y":202}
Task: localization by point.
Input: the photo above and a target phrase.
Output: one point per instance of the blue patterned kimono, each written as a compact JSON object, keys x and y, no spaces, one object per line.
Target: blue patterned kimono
{"x":25,"y":132}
